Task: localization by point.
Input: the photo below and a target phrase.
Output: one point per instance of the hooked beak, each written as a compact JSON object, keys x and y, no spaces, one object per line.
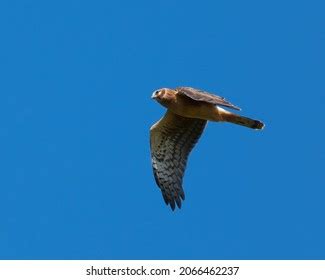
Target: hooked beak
{"x":154,"y":96}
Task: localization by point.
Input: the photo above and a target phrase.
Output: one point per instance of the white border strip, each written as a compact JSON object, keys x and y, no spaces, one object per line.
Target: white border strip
{"x":156,"y":270}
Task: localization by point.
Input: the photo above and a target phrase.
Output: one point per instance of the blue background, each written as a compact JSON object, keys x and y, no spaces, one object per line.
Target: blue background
{"x":75,"y":112}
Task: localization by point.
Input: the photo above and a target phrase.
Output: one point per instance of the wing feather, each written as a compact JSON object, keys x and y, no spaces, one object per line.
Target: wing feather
{"x":171,"y":140}
{"x":200,"y":95}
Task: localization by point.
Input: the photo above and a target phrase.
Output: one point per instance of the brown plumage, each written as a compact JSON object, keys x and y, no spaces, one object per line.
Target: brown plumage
{"x":173,"y":137}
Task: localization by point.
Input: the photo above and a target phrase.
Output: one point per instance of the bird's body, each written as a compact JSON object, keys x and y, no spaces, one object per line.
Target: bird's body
{"x":183,"y":106}
{"x":173,"y":137}
{"x":189,"y":108}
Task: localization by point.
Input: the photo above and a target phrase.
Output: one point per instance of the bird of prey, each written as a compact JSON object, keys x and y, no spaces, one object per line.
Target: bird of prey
{"x":173,"y":137}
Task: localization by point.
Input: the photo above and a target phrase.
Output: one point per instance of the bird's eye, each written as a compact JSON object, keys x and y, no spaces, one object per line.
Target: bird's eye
{"x":157,"y":91}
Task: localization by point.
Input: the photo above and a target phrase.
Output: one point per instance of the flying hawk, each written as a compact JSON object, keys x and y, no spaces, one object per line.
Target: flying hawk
{"x":173,"y":137}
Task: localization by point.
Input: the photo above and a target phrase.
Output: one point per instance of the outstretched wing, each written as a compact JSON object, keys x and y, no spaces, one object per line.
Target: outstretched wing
{"x":171,"y":140}
{"x":200,"y":95}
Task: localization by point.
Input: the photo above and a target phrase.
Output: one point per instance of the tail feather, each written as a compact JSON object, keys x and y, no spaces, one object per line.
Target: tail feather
{"x":244,"y":121}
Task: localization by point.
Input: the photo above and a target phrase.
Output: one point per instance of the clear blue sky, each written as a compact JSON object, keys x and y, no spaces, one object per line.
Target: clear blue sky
{"x":75,"y":112}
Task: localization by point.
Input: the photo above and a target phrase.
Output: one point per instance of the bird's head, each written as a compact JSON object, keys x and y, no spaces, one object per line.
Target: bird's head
{"x":164,"y":96}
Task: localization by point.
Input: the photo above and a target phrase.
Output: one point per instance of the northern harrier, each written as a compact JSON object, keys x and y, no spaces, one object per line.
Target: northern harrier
{"x":173,"y":137}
